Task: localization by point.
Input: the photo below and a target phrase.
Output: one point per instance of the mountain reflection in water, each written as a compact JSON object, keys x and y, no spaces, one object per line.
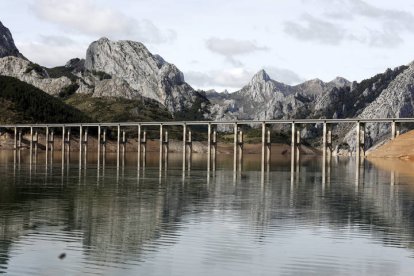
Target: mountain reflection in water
{"x":320,"y":218}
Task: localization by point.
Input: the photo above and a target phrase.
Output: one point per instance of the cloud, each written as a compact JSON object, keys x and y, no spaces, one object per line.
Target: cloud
{"x":89,"y":18}
{"x":315,"y":29}
{"x":49,"y":54}
{"x":56,"y":40}
{"x":236,"y":78}
{"x":283,"y":75}
{"x":232,"y":79}
{"x":343,"y":19}
{"x":230,"y":48}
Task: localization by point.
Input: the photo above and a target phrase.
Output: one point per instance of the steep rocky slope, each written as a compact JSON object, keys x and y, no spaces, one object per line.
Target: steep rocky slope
{"x":264,"y":98}
{"x":7,"y":46}
{"x":33,"y":74}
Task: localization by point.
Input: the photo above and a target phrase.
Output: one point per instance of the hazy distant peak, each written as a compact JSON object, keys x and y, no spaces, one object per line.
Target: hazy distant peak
{"x":339,"y":81}
{"x":260,"y":76}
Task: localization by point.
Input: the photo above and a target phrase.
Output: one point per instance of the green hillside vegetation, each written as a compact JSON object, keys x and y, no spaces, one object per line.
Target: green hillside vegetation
{"x":24,"y":103}
{"x":110,"y":109}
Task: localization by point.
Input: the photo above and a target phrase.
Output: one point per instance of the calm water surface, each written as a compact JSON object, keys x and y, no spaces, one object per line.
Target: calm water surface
{"x":110,"y":221}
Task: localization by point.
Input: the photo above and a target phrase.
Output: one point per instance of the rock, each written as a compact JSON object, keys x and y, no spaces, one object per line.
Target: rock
{"x":7,"y":46}
{"x":147,"y":75}
{"x":33,"y":74}
{"x":77,"y":65}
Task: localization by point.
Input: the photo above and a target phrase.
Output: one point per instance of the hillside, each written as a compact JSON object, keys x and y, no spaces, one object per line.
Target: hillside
{"x":400,"y":147}
{"x":24,"y":103}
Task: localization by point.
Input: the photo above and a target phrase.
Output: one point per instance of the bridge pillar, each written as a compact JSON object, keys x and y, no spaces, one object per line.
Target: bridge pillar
{"x":31,"y":140}
{"x":63,"y":143}
{"x":214,"y":147}
{"x":395,"y":129}
{"x":268,"y":147}
{"x":360,"y":139}
{"x":190,"y":149}
{"x":47,"y":139}
{"x":209,"y":147}
{"x":68,"y":140}
{"x":15,"y":138}
{"x":52,"y":140}
{"x":99,"y":145}
{"x":297,"y":146}
{"x":118,"y":145}
{"x":184,"y":144}
{"x":139,"y":147}
{"x":240,"y":148}
{"x":263,"y":144}
{"x":235,"y":130}
{"x":161,"y":145}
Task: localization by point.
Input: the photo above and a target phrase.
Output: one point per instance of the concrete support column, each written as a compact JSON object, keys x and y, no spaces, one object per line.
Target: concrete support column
{"x":47,"y":139}
{"x":268,"y":147}
{"x":324,"y":140}
{"x":298,"y":142}
{"x":63,"y":140}
{"x":139,"y":147}
{"x":293,"y":141}
{"x":99,"y":145}
{"x":104,"y":141}
{"x":15,"y":138}
{"x":184,"y":144}
{"x":214,"y":154}
{"x":393,"y":130}
{"x":68,"y":140}
{"x":52,"y":140}
{"x":190,"y":150}
{"x":235,"y":147}
{"x":209,"y":147}
{"x":118,"y":145}
{"x":358,"y":140}
{"x":31,"y":139}
{"x":161,"y":144}
{"x":263,"y":144}
{"x":240,"y":148}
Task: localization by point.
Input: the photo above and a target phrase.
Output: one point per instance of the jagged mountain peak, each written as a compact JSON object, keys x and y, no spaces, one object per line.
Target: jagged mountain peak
{"x":148,"y":74}
{"x":340,"y":81}
{"x":7,"y":46}
{"x":260,"y":76}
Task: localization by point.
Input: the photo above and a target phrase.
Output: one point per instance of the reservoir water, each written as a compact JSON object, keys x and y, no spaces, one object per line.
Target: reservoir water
{"x":335,"y":218}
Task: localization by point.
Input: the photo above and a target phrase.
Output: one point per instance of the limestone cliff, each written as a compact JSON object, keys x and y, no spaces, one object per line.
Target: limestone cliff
{"x":147,"y":75}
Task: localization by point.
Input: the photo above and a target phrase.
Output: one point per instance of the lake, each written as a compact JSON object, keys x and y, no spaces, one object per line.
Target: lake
{"x":334,"y":218}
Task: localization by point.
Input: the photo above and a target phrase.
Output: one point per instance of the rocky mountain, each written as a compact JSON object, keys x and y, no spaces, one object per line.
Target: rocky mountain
{"x":33,"y":74}
{"x":263,"y":98}
{"x":146,"y":74}
{"x":389,"y":94}
{"x":7,"y":46}
{"x":124,"y":69}
{"x":127,"y":70}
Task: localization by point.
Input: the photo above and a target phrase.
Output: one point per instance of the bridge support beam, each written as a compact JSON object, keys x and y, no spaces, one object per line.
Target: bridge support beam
{"x":209,"y":147}
{"x":184,"y":144}
{"x":360,"y":139}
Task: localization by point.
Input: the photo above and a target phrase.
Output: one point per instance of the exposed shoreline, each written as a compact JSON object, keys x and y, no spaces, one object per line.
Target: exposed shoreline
{"x":175,"y":146}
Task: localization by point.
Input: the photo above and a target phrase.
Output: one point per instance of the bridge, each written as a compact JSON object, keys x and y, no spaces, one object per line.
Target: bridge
{"x":187,"y":138}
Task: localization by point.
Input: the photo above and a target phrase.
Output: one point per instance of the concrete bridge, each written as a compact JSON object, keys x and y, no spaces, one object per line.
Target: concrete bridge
{"x":187,"y":138}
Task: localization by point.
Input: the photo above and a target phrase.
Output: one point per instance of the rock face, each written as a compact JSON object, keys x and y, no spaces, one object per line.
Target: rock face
{"x":33,"y":74}
{"x":7,"y":46}
{"x":386,"y":95}
{"x":147,"y":75}
{"x":263,"y":98}
{"x":394,"y":101}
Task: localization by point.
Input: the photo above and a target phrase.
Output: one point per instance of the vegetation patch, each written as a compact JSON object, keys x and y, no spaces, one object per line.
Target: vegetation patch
{"x":31,"y":105}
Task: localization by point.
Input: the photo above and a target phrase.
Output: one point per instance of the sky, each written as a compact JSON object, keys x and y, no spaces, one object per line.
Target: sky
{"x":221,"y":44}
